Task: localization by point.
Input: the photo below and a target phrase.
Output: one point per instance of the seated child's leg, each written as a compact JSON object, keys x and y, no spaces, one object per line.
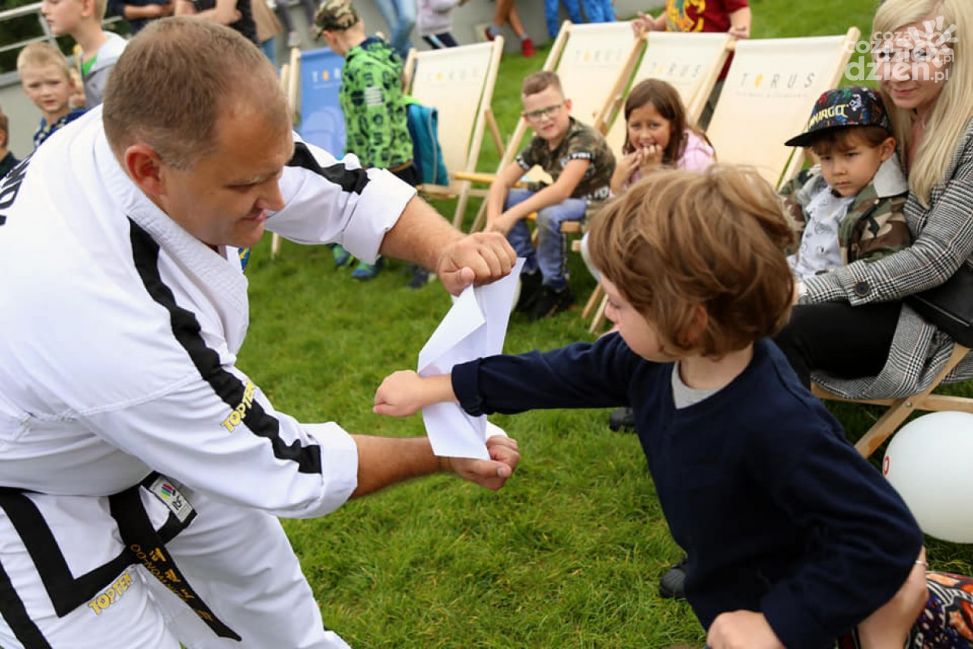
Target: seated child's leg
{"x":551,"y":243}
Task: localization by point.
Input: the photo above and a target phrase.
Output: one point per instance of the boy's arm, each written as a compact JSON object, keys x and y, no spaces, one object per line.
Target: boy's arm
{"x":506,"y":179}
{"x":740,"y":21}
{"x":553,"y":194}
{"x":876,"y":234}
{"x":404,"y":393}
{"x":136,"y":12}
{"x":224,"y":13}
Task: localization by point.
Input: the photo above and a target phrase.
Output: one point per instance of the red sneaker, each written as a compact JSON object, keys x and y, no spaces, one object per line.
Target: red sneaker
{"x":527,"y":48}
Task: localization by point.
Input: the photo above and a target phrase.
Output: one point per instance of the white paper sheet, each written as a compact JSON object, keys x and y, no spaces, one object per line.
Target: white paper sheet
{"x":475,"y":326}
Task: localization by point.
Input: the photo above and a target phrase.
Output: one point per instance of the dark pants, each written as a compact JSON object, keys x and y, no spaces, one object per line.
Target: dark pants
{"x":843,"y":340}
{"x":440,"y":41}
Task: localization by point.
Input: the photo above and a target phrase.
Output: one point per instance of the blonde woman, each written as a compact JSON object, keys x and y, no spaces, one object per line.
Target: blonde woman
{"x":853,"y":328}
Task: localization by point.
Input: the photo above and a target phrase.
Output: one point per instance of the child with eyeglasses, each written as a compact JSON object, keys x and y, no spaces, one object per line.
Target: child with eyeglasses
{"x":580,"y":164}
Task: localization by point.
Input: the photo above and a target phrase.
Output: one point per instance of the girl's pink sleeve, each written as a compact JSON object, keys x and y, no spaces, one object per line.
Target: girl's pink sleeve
{"x":698,"y":155}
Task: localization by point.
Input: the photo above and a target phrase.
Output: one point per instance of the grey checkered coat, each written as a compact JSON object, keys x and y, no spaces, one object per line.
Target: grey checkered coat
{"x":943,"y":241}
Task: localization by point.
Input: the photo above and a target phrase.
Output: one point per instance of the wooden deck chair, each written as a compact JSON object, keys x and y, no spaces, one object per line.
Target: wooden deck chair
{"x":692,"y":64}
{"x":290,"y":82}
{"x":900,"y":409}
{"x":589,"y":59}
{"x":459,"y":83}
{"x":766,"y":99}
{"x":768,"y":94}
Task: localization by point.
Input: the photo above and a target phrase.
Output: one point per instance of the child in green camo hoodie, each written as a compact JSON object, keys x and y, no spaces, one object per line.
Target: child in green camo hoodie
{"x":372,"y":100}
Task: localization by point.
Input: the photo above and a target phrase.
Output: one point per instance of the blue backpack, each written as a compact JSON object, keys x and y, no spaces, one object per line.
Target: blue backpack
{"x":423,"y":122}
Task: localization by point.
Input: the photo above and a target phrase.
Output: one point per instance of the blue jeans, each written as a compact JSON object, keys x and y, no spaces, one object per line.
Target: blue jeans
{"x":401,"y":18}
{"x":550,"y":255}
{"x":599,"y":11}
{"x":550,"y":13}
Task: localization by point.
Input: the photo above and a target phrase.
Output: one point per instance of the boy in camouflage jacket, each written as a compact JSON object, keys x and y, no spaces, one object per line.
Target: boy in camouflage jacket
{"x":850,"y":205}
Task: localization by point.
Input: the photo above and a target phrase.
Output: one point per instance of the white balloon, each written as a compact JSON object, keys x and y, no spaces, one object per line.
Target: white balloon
{"x":930,"y":464}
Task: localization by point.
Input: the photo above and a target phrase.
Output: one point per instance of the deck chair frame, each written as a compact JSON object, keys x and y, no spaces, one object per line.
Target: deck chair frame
{"x":483,"y":118}
{"x":662,"y":60}
{"x":290,"y":80}
{"x":900,"y":409}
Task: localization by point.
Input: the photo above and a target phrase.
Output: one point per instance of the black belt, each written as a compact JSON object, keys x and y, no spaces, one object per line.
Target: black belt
{"x":143,"y":544}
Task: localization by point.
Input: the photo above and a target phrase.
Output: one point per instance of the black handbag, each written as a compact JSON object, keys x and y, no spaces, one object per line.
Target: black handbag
{"x":949,"y":306}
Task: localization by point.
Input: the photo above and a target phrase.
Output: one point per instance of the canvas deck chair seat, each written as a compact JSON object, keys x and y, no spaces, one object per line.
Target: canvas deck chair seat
{"x":692,"y":64}
{"x":458,"y":82}
{"x":900,"y":409}
{"x":589,"y":60}
{"x":767,"y":96}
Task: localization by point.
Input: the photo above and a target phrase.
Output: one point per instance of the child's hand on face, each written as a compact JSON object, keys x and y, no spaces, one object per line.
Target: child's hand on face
{"x":650,"y":157}
{"x":400,"y":395}
{"x":624,"y":169}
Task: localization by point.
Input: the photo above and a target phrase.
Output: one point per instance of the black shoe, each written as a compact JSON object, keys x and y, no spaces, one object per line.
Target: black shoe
{"x":622,"y":419}
{"x":420,"y":277}
{"x":550,"y":302}
{"x":530,"y":288}
{"x":672,"y":584}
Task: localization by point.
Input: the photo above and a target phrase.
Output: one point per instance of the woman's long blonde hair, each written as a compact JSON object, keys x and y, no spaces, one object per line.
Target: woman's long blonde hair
{"x":954,"y":108}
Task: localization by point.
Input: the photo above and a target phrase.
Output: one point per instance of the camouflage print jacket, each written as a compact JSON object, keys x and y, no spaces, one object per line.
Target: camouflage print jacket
{"x":374,"y":106}
{"x":874,"y":225}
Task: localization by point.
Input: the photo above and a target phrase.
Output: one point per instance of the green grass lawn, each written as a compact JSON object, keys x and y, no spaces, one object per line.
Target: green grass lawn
{"x":569,"y":553}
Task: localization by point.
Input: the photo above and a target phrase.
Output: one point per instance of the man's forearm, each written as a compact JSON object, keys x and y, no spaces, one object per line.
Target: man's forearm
{"x":420,"y":235}
{"x":384,"y":461}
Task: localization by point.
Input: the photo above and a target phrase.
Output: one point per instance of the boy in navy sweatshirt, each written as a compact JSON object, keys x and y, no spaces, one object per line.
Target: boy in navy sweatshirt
{"x":793,"y":539}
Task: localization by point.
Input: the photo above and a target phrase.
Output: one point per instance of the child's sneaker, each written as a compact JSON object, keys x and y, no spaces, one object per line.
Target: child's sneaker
{"x":530,"y":288}
{"x":420,"y":277}
{"x":527,"y":48}
{"x":341,"y":256}
{"x":364,"y":271}
{"x":488,"y":33}
{"x":550,"y":302}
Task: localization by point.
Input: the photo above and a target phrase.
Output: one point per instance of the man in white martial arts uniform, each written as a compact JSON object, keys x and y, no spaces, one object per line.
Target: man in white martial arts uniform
{"x":141,"y":472}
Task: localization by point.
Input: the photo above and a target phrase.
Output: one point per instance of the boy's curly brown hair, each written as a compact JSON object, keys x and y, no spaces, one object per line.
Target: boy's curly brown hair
{"x":678,"y":240}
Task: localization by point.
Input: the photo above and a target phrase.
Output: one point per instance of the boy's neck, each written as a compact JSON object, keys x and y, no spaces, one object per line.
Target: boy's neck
{"x":90,"y":36}
{"x":705,"y":373}
{"x":50,"y":118}
{"x":3,"y":152}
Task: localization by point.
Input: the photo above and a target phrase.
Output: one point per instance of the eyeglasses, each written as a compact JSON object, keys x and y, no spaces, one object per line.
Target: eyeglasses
{"x":541,"y":113}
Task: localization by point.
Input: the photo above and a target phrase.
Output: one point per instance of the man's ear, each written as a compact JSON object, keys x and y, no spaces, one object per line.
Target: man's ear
{"x":144,"y":166}
{"x":567,"y":105}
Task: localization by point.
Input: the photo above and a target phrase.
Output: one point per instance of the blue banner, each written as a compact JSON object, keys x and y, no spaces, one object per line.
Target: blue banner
{"x":322,"y":122}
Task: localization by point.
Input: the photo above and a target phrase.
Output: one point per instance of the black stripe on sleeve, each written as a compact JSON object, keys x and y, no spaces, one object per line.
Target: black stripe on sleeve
{"x":186,"y":329}
{"x":350,"y":180}
{"x":15,"y":614}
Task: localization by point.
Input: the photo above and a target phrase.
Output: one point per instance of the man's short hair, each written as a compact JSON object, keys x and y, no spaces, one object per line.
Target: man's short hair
{"x":37,"y":55}
{"x":173,"y":80}
{"x":539,"y":82}
{"x":678,"y":240}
